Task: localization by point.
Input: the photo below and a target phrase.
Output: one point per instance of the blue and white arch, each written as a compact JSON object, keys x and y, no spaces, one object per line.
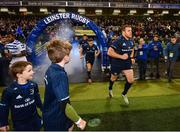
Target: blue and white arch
{"x":42,"y":24}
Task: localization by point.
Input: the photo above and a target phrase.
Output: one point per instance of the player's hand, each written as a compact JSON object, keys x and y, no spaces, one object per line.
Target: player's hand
{"x":82,"y":124}
{"x":4,"y":128}
{"x":133,"y":60}
{"x":124,"y":56}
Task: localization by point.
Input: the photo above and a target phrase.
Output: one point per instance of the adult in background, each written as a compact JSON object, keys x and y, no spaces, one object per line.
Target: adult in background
{"x":171,"y":55}
{"x":141,"y":56}
{"x":155,"y":51}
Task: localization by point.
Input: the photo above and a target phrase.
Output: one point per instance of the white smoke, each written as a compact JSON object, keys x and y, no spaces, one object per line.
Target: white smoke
{"x":63,"y":31}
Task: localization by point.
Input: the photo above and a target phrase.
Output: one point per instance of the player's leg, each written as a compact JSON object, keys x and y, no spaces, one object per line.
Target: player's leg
{"x":129,"y":74}
{"x":111,"y":82}
{"x":89,"y":69}
{"x":115,"y":70}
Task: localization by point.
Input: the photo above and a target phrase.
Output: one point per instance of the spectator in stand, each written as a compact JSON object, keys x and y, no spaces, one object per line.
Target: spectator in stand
{"x":16,"y":48}
{"x":4,"y":62}
{"x":171,"y":55}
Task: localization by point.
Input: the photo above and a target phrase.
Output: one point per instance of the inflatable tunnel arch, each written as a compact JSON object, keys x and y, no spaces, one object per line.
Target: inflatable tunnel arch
{"x":42,"y":24}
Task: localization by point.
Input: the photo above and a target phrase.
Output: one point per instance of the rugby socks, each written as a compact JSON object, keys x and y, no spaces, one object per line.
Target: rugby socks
{"x":89,"y":74}
{"x":126,"y":87}
{"x":111,"y":84}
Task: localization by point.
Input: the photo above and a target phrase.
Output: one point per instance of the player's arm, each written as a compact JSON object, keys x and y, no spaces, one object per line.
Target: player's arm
{"x":38,"y":98}
{"x":97,"y":52}
{"x":132,"y":56}
{"x":112,"y":53}
{"x":4,"y":110}
{"x":81,"y":52}
{"x":72,"y":114}
{"x":60,"y":88}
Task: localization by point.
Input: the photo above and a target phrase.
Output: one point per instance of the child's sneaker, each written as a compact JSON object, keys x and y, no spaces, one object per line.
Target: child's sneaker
{"x":125,"y":98}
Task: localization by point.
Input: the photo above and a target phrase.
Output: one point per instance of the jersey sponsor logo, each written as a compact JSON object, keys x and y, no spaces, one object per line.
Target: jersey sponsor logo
{"x":19,"y":97}
{"x":24,"y":105}
{"x":27,"y":100}
{"x":124,"y":44}
{"x":125,"y":50}
{"x":15,"y":88}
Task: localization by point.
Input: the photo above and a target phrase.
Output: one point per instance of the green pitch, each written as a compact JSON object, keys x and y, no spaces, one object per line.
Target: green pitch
{"x":154,"y":105}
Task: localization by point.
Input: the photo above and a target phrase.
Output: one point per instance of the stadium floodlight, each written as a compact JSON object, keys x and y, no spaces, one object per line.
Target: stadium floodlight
{"x":133,"y":11}
{"x":29,"y":12}
{"x":3,"y":9}
{"x":146,"y":14}
{"x":12,"y":12}
{"x":81,"y":11}
{"x":22,"y":9}
{"x":176,"y":14}
{"x":43,"y":10}
{"x":116,"y":12}
{"x":150,"y":11}
{"x":61,"y":10}
{"x":98,"y":12}
{"x":165,"y":12}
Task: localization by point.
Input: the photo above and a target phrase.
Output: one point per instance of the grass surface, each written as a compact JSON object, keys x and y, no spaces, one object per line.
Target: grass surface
{"x":154,"y":105}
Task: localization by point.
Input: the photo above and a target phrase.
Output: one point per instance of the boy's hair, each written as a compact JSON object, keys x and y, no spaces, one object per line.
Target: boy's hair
{"x":58,"y":49}
{"x":18,"y":67}
{"x":173,"y":36}
{"x":125,"y":26}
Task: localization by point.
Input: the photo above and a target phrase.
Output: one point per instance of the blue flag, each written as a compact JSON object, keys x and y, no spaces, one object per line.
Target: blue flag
{"x":19,"y":31}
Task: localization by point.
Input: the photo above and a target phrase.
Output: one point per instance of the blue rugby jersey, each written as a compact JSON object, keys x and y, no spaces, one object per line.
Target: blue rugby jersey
{"x":122,"y":46}
{"x":56,"y":91}
{"x":155,"y":49}
{"x":83,"y":43}
{"x":90,"y":51}
{"x":22,"y":100}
